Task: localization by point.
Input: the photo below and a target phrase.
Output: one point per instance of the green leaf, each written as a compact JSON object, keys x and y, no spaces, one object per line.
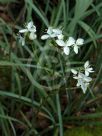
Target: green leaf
{"x":6,"y":1}
{"x":81,"y":6}
{"x":89,"y":31}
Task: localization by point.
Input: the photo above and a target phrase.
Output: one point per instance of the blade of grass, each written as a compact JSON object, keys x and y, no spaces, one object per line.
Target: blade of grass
{"x":59,"y":115}
{"x":38,"y":12}
{"x":27,"y":101}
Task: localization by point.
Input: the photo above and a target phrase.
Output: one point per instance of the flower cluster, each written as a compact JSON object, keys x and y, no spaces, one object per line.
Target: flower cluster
{"x":30,"y":31}
{"x":83,"y":79}
{"x":66,"y":44}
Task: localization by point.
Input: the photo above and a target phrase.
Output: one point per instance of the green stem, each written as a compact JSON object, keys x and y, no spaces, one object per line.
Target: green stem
{"x":59,"y":115}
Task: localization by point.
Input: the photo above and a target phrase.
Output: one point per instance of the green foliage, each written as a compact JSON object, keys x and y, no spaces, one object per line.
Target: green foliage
{"x":84,"y":131}
{"x":38,"y":96}
{"x":78,"y":131}
{"x":81,"y":7}
{"x":6,"y":1}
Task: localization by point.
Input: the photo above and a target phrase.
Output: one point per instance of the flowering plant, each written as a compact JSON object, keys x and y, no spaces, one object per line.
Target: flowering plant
{"x":83,"y":80}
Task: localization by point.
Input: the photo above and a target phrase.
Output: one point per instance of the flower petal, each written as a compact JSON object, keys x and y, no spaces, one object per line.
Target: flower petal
{"x":90,"y":70}
{"x":33,"y":29}
{"x":80,"y":41}
{"x":44,"y":37}
{"x":70,"y":41}
{"x":86,"y":73}
{"x":23,"y":30}
{"x":76,"y":49}
{"x":32,"y":36}
{"x":81,"y":75}
{"x":77,"y":84}
{"x":86,"y":64}
{"x":87,"y":79}
{"x":30,"y":25}
{"x":22,"y":40}
{"x":84,"y":87}
{"x":49,"y":31}
{"x":57,"y":31}
{"x":74,"y":71}
{"x":66,"y":50}
{"x":60,"y":37}
{"x":60,"y":43}
{"x":75,"y":77}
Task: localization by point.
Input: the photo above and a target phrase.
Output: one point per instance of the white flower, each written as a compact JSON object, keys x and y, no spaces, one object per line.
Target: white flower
{"x":88,"y":69}
{"x":66,"y":45}
{"x":83,"y":80}
{"x":31,"y":29}
{"x":76,"y":44}
{"x":22,"y":40}
{"x":84,"y":85}
{"x":52,"y":33}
